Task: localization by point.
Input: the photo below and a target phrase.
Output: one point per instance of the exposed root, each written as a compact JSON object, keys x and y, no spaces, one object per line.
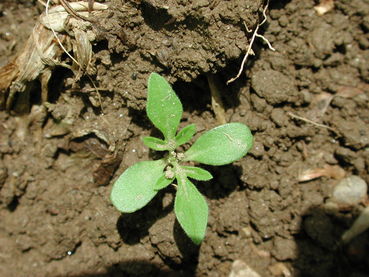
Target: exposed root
{"x":216,"y":100}
{"x":312,"y":122}
{"x":360,"y":225}
{"x":249,"y":49}
{"x":42,"y":2}
{"x":56,"y":36}
{"x":98,"y":94}
{"x":73,"y":13}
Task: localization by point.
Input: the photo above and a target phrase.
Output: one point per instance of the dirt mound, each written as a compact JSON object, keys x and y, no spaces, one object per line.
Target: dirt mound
{"x":306,"y":104}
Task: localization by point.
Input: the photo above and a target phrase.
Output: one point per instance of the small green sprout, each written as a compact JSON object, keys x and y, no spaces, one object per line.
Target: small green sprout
{"x":142,"y":181}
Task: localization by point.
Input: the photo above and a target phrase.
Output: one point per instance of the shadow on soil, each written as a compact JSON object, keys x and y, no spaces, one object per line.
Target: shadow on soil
{"x":128,"y":227}
{"x":134,"y":226}
{"x":320,"y":252}
{"x":138,"y":268}
{"x":226,"y":179}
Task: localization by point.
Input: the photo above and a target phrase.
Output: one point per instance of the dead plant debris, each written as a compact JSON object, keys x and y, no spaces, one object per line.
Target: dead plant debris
{"x":330,"y":171}
{"x":324,"y":6}
{"x":43,"y":50}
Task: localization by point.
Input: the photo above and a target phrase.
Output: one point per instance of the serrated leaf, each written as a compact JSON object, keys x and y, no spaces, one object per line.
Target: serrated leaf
{"x":185,"y":134}
{"x":163,"y":182}
{"x":155,"y":143}
{"x":221,"y":145}
{"x":197,"y":173}
{"x":191,"y":210}
{"x":163,"y":108}
{"x":135,"y":187}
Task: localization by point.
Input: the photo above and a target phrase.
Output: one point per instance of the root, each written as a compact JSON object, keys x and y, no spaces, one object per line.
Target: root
{"x":73,"y":13}
{"x":98,"y":94}
{"x":216,"y":100}
{"x":312,"y":122}
{"x":56,"y":36}
{"x":42,"y":2}
{"x":249,"y":49}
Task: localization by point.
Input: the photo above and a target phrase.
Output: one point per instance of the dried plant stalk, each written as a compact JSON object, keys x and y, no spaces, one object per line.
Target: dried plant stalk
{"x":43,"y":51}
{"x":330,"y":171}
{"x":39,"y":51}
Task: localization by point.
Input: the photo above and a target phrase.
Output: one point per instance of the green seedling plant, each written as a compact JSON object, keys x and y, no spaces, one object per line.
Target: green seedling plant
{"x":142,"y":181}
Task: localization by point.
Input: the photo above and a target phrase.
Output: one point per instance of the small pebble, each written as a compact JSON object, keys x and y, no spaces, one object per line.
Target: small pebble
{"x":241,"y":269}
{"x":350,"y":191}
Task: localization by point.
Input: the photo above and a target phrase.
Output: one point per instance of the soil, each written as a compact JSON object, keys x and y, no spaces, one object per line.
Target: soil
{"x":58,"y":162}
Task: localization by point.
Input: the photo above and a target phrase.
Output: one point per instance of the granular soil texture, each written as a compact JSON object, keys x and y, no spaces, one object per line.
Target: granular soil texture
{"x":306,"y":104}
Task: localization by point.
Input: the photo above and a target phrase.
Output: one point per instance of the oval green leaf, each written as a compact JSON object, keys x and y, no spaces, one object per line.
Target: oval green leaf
{"x":135,"y":187}
{"x":185,"y":134}
{"x":163,"y":182}
{"x":221,"y":145}
{"x":163,"y":108}
{"x":197,"y":173}
{"x":191,"y":210}
{"x":155,"y":143}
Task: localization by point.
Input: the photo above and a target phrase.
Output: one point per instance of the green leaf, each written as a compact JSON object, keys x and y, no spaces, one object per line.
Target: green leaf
{"x":163,"y":182}
{"x":185,"y":134}
{"x":191,"y":210}
{"x":197,"y":173}
{"x":221,"y":145}
{"x":155,"y":143}
{"x":134,"y":188}
{"x":163,"y":106}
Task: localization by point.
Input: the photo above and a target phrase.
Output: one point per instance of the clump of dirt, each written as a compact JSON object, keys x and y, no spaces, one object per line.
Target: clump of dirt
{"x":179,"y":39}
{"x":306,"y":104}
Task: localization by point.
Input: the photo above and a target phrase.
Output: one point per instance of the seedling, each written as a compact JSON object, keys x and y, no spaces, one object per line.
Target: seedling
{"x":142,"y":181}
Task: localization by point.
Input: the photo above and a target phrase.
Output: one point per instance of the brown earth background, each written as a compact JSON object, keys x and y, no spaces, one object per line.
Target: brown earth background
{"x":59,"y":161}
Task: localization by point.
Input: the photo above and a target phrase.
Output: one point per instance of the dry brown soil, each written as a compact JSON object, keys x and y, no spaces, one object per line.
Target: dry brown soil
{"x":58,"y":163}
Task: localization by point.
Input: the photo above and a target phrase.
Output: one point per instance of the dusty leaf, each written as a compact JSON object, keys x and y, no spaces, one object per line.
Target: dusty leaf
{"x":185,"y":134}
{"x":155,"y":143}
{"x":163,"y":182}
{"x":135,"y":187}
{"x":191,"y":210}
{"x":221,"y":145}
{"x":197,"y":173}
{"x":163,"y":106}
